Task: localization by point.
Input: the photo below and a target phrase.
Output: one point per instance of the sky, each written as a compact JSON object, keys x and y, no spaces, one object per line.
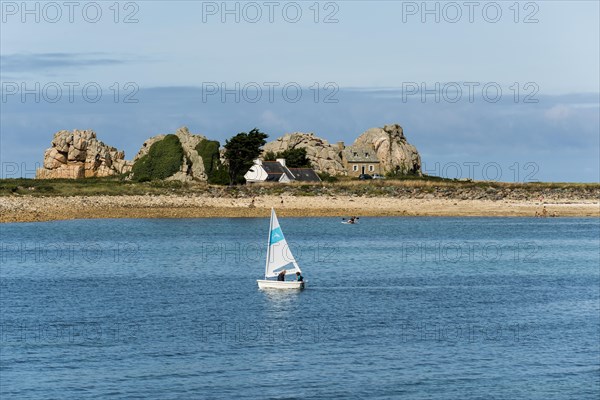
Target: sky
{"x":499,"y":90}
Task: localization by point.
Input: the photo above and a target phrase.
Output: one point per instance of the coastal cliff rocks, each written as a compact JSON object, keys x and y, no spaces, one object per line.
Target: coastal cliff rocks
{"x":79,"y":154}
{"x":395,"y":154}
{"x":323,"y":156}
{"x":380,"y":150}
{"x":191,"y":164}
{"x":185,"y":157}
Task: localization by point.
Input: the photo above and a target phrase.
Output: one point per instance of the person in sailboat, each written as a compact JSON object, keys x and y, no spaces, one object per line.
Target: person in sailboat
{"x":352,"y":220}
{"x":281,"y":276}
{"x":299,"y":277}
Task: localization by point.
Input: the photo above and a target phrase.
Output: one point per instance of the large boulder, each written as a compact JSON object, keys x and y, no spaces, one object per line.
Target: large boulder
{"x":323,"y":156}
{"x":394,"y":152}
{"x":192,"y":165}
{"x":78,"y":154}
{"x":54,"y":159}
{"x":65,"y":171}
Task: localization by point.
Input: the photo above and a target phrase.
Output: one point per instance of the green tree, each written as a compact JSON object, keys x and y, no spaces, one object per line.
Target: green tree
{"x":241,"y":151}
{"x":295,"y":158}
{"x":270,"y":156}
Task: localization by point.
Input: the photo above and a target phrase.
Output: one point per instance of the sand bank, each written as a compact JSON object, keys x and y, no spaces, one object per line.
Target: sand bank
{"x":30,"y":208}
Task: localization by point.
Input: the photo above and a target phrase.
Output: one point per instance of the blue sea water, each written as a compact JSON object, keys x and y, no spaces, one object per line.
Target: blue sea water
{"x":419,"y":308}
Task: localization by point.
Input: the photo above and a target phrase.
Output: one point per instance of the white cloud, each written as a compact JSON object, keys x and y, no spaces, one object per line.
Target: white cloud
{"x":558,"y":112}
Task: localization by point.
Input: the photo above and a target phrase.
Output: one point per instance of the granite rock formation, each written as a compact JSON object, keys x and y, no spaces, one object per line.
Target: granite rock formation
{"x":323,"y":156}
{"x":394,"y":152}
{"x":79,"y":154}
{"x":192,"y":166}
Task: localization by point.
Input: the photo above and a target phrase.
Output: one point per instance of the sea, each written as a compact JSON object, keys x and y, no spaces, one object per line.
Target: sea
{"x":415,"y":308}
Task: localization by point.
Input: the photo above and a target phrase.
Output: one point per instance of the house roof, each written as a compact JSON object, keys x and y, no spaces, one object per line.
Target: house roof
{"x":360,"y":154}
{"x":274,"y":167}
{"x":275,"y":172}
{"x":273,"y":177}
{"x":305,"y":174}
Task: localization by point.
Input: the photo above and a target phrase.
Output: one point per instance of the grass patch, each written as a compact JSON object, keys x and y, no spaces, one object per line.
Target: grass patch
{"x":113,"y":186}
{"x":109,"y":186}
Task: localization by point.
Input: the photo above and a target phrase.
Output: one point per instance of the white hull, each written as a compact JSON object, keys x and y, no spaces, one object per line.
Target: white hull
{"x":266,"y":284}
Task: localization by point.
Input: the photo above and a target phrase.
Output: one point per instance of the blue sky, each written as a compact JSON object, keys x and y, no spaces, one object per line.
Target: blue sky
{"x":379,"y":62}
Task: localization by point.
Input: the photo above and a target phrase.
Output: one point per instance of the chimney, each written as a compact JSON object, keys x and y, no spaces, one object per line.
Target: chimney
{"x":340,"y":146}
{"x":281,"y":161}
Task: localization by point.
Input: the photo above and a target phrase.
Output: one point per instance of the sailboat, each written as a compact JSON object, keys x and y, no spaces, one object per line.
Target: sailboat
{"x":279,"y":258}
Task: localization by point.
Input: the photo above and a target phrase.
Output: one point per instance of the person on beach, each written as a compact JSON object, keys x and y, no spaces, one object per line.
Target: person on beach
{"x":281,"y":276}
{"x":299,"y":277}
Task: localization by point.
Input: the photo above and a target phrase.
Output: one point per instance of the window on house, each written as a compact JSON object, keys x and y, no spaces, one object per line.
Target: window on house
{"x":371,"y":168}
{"x":355,"y":168}
{"x":366,"y":154}
{"x":355,"y":154}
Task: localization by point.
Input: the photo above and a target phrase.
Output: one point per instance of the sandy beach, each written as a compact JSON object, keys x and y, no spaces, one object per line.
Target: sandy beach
{"x":30,"y":208}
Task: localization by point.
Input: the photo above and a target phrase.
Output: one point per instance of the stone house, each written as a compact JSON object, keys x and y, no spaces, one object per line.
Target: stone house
{"x":359,"y":159}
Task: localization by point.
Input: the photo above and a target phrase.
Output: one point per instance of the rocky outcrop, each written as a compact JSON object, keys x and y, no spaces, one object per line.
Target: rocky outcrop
{"x":79,"y":154}
{"x":323,"y":156}
{"x":192,"y":166}
{"x":393,"y":151}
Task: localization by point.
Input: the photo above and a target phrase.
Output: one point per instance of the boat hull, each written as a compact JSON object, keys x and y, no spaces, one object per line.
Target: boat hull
{"x":266,"y":284}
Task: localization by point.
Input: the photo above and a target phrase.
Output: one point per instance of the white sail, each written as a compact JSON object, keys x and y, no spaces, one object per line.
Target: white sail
{"x":279,"y":255}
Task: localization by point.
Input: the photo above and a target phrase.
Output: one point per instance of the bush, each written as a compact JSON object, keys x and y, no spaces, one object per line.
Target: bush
{"x":270,"y":156}
{"x":326,"y":177}
{"x":163,"y":160}
{"x":216,"y":172}
{"x":220,"y":176}
{"x":209,"y":151}
{"x":295,"y":158}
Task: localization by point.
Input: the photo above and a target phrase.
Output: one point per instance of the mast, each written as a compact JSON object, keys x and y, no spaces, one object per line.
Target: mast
{"x":269,"y":243}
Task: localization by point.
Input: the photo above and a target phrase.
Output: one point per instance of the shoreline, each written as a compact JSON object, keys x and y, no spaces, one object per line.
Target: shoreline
{"x":40,"y":209}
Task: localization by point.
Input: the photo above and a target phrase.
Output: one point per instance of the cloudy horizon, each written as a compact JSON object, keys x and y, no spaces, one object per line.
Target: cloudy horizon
{"x":514,"y":90}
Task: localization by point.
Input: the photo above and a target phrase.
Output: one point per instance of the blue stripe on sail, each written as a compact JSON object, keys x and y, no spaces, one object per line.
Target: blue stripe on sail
{"x":276,"y":235}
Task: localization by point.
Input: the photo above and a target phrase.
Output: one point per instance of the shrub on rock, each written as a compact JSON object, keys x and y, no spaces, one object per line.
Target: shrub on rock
{"x":215,"y":171}
{"x":163,"y":160}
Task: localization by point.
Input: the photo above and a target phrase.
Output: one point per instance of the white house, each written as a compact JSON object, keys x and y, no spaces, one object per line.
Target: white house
{"x":276,"y":171}
{"x":269,"y":171}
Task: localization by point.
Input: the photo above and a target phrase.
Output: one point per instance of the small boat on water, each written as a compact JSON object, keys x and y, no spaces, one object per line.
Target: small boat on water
{"x":279,"y":259}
